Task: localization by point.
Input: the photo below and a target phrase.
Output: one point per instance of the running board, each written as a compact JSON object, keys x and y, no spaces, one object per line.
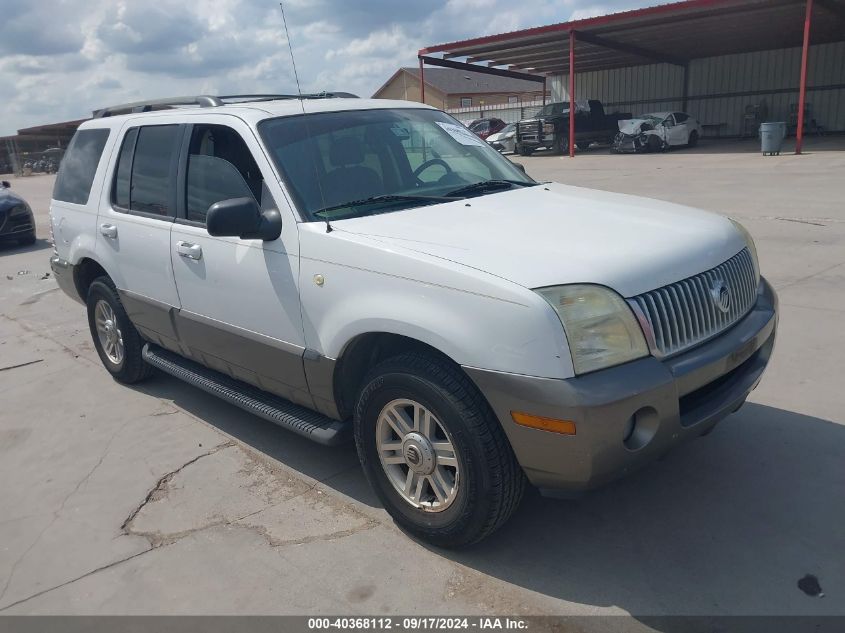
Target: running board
{"x":296,"y":418}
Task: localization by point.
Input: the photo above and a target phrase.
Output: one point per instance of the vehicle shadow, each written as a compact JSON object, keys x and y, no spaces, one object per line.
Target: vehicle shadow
{"x":337,"y":466}
{"x":13,"y":248}
{"x":724,"y":525}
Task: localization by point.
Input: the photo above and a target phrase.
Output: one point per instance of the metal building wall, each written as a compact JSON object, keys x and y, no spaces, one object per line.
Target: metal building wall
{"x":721,"y":87}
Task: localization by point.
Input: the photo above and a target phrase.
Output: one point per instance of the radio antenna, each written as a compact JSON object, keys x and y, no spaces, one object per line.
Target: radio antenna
{"x":292,"y":60}
{"x":302,"y":105}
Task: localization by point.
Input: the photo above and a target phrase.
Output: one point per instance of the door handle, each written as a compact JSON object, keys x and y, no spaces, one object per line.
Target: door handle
{"x":191,"y":251}
{"x":109,"y":231}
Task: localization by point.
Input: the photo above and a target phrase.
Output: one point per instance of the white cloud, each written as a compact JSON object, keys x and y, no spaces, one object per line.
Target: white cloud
{"x":61,"y":60}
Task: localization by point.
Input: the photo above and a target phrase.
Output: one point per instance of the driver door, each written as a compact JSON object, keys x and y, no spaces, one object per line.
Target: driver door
{"x":240,"y":297}
{"x":675,"y":134}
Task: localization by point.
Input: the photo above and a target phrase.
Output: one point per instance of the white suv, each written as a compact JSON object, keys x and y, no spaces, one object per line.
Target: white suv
{"x":364,"y":267}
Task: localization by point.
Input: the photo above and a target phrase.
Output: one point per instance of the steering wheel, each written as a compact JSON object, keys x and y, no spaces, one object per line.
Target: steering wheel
{"x":430,"y":163}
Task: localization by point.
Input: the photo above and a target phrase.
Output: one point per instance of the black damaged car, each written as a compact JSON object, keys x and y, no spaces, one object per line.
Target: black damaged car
{"x":17,"y":224}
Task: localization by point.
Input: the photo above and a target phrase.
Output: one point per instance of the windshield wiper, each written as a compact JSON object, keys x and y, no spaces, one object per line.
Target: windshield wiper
{"x":489,"y":185}
{"x":388,"y":197}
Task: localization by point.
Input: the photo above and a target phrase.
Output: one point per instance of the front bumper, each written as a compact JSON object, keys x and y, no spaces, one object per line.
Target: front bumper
{"x":16,"y":227}
{"x":63,"y":274}
{"x":670,"y":402}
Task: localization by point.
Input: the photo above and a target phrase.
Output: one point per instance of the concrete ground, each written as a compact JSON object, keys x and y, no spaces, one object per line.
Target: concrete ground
{"x":162,"y":499}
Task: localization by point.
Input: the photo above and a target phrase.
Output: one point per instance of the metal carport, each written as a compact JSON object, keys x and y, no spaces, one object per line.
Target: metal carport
{"x":674,"y":33}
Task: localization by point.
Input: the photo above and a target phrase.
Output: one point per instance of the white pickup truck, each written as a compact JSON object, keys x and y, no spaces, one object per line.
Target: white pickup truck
{"x":348,"y":267}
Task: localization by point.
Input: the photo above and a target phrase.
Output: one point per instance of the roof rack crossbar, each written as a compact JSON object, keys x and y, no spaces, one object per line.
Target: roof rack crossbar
{"x":208,"y":101}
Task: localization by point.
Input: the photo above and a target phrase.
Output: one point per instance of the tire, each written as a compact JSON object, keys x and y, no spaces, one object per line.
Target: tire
{"x":29,"y":240}
{"x":693,"y":139}
{"x":653,"y":144}
{"x":522,"y":150}
{"x":128,"y":367}
{"x":562,"y":144}
{"x":487,"y":480}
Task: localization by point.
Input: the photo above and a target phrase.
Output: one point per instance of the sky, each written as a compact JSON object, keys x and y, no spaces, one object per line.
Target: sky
{"x":61,"y":59}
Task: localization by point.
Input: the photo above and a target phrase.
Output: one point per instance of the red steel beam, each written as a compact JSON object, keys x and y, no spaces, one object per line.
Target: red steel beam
{"x":571,"y":94}
{"x":602,"y":20}
{"x":802,"y":87}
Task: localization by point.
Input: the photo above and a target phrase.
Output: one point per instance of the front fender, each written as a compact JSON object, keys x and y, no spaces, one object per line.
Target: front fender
{"x":474,"y":318}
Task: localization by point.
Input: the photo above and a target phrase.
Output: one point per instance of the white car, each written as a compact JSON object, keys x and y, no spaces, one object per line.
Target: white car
{"x":372,"y":269}
{"x":504,"y":140}
{"x":657,"y":131}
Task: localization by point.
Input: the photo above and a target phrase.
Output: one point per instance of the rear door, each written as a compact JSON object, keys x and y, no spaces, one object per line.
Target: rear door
{"x":240,"y":298}
{"x":137,"y":210}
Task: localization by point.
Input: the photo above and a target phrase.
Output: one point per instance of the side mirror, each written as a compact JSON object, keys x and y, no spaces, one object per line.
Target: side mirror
{"x":5,"y":184}
{"x":241,"y":217}
{"x":519,"y":166}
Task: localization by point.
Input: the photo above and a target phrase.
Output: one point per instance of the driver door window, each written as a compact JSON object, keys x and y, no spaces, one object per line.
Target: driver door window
{"x":220,"y":167}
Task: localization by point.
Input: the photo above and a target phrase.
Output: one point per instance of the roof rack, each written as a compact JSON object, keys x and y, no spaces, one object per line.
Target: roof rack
{"x":209,"y":101}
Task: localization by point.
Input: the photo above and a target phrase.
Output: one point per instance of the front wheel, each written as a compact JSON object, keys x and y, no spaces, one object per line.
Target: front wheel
{"x":434,"y":452}
{"x":561,"y":144}
{"x":115,"y":338}
{"x":523,"y":150}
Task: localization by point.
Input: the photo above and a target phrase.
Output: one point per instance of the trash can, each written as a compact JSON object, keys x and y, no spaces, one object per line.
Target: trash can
{"x":771,"y":137}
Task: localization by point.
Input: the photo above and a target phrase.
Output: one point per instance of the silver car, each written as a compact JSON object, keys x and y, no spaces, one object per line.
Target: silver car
{"x":505,"y":139}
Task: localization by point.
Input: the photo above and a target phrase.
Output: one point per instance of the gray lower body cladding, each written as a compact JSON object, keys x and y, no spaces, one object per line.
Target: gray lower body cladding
{"x":628,"y":416}
{"x":293,"y":417}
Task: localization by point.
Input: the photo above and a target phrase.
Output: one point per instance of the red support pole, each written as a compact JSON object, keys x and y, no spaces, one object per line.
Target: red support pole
{"x":802,"y":88}
{"x":571,"y":94}
{"x":544,"y":91}
{"x":422,"y":82}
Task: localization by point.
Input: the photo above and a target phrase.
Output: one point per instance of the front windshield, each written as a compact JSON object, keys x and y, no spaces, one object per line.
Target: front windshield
{"x":655,"y":117}
{"x":333,"y":162}
{"x":554,"y":108}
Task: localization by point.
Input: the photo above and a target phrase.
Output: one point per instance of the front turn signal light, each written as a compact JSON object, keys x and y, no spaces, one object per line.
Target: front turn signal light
{"x":564,"y":427}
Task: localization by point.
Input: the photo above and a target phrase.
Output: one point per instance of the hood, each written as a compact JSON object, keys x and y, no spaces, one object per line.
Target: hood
{"x":630,"y":126}
{"x":556,"y":234}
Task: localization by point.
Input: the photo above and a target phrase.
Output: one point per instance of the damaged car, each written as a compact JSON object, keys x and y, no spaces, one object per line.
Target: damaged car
{"x":657,"y":132}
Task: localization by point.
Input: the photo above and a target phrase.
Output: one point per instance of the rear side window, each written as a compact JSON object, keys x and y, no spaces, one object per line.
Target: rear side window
{"x":145,"y":177}
{"x":79,"y":165}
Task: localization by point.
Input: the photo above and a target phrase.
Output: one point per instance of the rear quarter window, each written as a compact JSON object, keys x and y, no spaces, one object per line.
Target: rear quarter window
{"x":79,"y":165}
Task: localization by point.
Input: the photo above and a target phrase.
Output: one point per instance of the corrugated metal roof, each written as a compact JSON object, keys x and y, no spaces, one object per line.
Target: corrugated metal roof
{"x":674,"y":33}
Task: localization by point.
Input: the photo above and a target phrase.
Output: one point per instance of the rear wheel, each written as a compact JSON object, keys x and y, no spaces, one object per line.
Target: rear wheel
{"x":434,"y":452}
{"x":115,"y":338}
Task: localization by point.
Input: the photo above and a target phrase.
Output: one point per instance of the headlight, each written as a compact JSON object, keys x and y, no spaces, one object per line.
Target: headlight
{"x":19,"y":210}
{"x":752,"y":248}
{"x":600,"y":327}
{"x":548,"y":128}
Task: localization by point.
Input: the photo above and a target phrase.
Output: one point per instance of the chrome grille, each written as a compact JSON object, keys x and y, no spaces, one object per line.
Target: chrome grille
{"x":686,"y":313}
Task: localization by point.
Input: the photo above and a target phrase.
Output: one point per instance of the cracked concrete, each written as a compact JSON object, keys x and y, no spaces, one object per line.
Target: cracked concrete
{"x":160,"y":499}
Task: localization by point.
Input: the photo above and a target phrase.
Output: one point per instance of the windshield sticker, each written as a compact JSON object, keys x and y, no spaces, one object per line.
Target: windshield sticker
{"x":461,"y":134}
